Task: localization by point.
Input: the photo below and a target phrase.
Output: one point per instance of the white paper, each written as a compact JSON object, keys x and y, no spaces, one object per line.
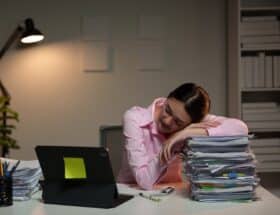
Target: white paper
{"x":96,"y":56}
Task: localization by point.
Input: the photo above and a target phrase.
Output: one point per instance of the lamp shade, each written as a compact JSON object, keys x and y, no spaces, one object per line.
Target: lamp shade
{"x":31,"y":34}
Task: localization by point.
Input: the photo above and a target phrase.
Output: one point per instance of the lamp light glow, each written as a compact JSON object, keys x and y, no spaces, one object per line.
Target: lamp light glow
{"x":32,"y":39}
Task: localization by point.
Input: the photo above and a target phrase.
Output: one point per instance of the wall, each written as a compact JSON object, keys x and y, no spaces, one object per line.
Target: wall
{"x":60,"y":104}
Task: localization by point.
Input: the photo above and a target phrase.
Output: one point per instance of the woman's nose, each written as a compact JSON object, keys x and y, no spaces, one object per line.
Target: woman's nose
{"x":168,"y":120}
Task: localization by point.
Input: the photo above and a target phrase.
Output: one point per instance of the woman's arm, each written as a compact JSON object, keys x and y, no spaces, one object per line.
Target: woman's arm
{"x":211,"y":126}
{"x":227,"y":127}
{"x":145,"y":169}
{"x":176,"y":142}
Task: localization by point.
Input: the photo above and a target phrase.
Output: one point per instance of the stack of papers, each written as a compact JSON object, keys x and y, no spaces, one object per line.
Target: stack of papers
{"x":220,"y":168}
{"x":25,"y":178}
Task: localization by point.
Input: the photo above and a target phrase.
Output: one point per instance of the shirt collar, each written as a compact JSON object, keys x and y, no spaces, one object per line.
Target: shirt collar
{"x":148,"y":116}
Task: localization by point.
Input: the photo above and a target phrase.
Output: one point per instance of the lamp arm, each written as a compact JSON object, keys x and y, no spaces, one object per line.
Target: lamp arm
{"x":12,"y":38}
{"x":4,"y":91}
{"x":16,"y":33}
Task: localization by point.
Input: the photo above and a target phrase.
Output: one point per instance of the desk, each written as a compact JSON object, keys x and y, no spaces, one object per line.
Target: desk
{"x":176,"y":203}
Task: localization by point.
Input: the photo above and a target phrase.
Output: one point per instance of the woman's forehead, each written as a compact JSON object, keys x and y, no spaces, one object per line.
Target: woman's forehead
{"x":178,"y":109}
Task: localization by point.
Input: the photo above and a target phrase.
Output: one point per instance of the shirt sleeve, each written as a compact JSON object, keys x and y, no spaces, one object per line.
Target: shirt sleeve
{"x":145,"y":169}
{"x":228,"y":126}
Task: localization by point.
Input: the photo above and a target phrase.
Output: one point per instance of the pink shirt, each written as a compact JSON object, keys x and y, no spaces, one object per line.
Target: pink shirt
{"x":143,"y":143}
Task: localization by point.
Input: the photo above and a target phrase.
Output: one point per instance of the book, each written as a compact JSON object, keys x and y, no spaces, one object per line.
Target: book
{"x":254,"y":105}
{"x":276,"y":71}
{"x":267,"y":150}
{"x":264,"y":124}
{"x":256,"y":72}
{"x":260,"y":110}
{"x":259,"y":117}
{"x":261,"y":68}
{"x":260,"y":46}
{"x":264,"y":129}
{"x":258,"y":18}
{"x":272,"y":166}
{"x":265,"y":142}
{"x":268,"y":72}
{"x":259,"y":28}
{"x":262,"y":39}
{"x":265,"y":158}
{"x":242,"y":78}
{"x":248,"y":72}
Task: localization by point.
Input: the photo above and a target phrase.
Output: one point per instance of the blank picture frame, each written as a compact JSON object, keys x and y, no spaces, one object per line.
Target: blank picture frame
{"x":151,"y":56}
{"x":96,"y":56}
{"x":151,"y":27}
{"x":95,"y":28}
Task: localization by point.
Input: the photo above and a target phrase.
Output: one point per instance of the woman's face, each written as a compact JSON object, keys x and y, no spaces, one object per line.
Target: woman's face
{"x":172,"y":116}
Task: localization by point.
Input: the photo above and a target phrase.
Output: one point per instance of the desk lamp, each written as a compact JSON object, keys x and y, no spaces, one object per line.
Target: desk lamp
{"x":27,"y":34}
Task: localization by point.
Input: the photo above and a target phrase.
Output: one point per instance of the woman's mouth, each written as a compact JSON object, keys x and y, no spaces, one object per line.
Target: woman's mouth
{"x":163,"y":127}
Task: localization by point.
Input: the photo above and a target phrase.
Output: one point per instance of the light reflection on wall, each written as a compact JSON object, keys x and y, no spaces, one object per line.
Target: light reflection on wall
{"x":41,"y":70}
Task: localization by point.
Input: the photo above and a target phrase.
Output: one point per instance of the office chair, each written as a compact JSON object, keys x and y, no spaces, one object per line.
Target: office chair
{"x":111,"y":137}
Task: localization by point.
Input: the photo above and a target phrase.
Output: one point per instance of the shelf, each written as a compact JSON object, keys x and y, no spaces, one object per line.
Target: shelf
{"x":271,"y":170}
{"x":255,"y":52}
{"x":258,"y":4}
{"x":250,"y":40}
{"x":260,"y":96}
{"x":261,"y":8}
{"x":260,"y":11}
{"x":265,"y":134}
{"x":260,"y":90}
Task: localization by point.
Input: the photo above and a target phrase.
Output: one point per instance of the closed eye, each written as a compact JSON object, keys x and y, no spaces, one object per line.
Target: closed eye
{"x":168,"y":110}
{"x":178,"y":122}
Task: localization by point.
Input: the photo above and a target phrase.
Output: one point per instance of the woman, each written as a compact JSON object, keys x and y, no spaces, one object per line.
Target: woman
{"x":154,"y":135}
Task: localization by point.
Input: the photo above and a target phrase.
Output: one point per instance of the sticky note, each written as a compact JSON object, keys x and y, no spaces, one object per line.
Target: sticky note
{"x":74,"y":168}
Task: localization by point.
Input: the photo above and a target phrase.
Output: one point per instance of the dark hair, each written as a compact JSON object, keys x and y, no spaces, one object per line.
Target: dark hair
{"x":196,"y":100}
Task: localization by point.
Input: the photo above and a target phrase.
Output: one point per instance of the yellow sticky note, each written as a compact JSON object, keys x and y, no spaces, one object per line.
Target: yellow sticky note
{"x":74,"y":168}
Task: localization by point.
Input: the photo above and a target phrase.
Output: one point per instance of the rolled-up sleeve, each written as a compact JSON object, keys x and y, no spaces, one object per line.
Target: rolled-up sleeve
{"x":145,"y":167}
{"x":227,"y":127}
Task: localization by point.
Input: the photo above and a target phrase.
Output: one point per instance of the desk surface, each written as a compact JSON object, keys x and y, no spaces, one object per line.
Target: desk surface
{"x":176,"y":203}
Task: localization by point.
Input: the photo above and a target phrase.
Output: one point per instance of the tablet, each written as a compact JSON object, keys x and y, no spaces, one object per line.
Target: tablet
{"x":78,"y":176}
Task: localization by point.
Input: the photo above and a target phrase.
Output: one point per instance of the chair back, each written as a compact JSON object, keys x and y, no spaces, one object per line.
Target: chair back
{"x":111,"y":137}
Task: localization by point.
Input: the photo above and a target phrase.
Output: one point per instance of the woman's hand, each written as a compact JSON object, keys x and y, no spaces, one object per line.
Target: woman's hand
{"x":169,"y":149}
{"x":176,"y":143}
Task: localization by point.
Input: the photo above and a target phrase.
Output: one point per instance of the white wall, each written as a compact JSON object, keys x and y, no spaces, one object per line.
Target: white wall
{"x":60,"y":104}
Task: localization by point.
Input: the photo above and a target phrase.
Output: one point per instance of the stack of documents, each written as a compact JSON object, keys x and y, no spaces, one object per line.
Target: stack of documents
{"x":220,"y":168}
{"x":25,"y":178}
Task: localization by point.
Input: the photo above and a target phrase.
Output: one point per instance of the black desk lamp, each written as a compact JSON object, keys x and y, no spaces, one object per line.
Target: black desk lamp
{"x":27,"y":34}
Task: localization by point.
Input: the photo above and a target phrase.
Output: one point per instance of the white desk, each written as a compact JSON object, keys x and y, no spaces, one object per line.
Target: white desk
{"x":176,"y":203}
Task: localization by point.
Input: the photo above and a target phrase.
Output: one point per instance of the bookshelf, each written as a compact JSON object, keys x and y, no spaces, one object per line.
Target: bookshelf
{"x":254,"y":75}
